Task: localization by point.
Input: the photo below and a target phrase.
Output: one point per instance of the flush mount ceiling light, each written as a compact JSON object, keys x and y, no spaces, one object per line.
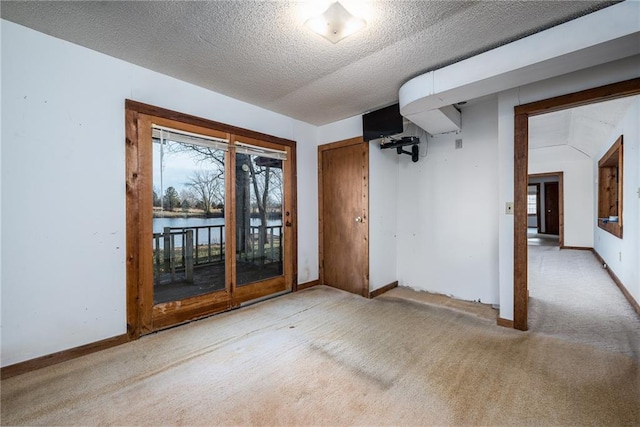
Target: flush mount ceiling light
{"x":335,"y":23}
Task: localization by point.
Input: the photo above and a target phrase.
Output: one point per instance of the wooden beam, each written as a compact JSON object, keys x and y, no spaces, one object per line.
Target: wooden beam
{"x":578,"y":99}
{"x":145,"y":225}
{"x":198,"y":121}
{"x":521,"y":182}
{"x":132,"y":168}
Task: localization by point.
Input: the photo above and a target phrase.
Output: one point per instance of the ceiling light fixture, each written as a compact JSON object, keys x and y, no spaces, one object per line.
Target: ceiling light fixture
{"x":335,"y":23}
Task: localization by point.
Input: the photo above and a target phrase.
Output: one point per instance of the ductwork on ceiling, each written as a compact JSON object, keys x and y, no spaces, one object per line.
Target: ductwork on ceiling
{"x":439,"y":120}
{"x":428,"y":100}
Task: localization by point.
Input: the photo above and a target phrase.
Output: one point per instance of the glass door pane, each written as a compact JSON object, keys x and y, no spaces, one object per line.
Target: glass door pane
{"x":188,"y":215}
{"x":259,"y":225}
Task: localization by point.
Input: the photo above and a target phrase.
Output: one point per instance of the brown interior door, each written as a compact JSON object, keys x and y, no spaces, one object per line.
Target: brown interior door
{"x":344,"y":229}
{"x":552,"y":208}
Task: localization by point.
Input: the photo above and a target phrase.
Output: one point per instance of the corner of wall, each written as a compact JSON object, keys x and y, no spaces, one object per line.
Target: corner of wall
{"x":350,"y":127}
{"x":306,"y":136}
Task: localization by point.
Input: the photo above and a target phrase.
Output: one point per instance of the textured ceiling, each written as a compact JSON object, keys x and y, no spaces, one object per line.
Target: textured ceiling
{"x":261,"y":52}
{"x":586,"y":129}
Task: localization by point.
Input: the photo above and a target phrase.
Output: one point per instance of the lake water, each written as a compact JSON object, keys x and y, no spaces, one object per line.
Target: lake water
{"x":160,"y":223}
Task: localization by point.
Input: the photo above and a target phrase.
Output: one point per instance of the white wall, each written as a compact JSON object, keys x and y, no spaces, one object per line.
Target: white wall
{"x":624,"y":69}
{"x":383,"y":216}
{"x":447,"y":217}
{"x":350,"y":127}
{"x":577,"y":186}
{"x":63,"y":186}
{"x":623,"y":255}
{"x":307,"y":163}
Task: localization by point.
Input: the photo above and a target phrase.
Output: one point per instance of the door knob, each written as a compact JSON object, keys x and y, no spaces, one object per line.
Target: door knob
{"x":358,"y":219}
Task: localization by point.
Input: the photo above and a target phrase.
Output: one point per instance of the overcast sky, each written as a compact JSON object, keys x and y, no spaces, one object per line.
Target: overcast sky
{"x":177,"y":169}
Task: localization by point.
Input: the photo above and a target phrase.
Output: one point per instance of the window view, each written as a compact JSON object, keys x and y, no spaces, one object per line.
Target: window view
{"x":188,"y":214}
{"x":532,"y":204}
{"x":259,"y":214}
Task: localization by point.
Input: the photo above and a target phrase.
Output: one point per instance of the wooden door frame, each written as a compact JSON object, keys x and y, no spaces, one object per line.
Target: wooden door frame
{"x":365,"y":203}
{"x":137,"y":197}
{"x":560,"y":176}
{"x":520,"y":175}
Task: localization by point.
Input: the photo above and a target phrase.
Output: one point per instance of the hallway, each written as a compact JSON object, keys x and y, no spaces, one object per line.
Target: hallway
{"x":539,"y":239}
{"x":572,"y":297}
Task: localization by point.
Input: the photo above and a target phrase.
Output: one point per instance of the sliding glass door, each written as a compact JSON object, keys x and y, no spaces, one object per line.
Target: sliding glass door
{"x":214,"y":223}
{"x":260,"y":214}
{"x":188,"y":214}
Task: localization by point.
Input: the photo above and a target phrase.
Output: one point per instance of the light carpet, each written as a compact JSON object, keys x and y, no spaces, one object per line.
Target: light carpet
{"x":573,"y":298}
{"x":483,"y":311}
{"x":326,"y":357}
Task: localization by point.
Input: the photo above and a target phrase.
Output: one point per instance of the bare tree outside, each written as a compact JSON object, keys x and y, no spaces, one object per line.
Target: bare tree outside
{"x":207,"y":183}
{"x":200,"y":189}
{"x":189,"y":196}
{"x":258,"y":195}
{"x":209,"y":187}
{"x":267,"y":187}
{"x":207,"y":155}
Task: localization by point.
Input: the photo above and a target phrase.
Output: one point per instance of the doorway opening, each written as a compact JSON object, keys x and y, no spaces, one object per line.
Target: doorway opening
{"x":522,"y":114}
{"x":545,"y":209}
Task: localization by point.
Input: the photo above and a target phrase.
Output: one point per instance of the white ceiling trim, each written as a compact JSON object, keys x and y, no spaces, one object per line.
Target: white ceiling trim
{"x":548,"y":54}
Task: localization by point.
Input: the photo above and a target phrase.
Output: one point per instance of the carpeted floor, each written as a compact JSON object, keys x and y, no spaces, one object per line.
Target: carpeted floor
{"x":539,"y":239}
{"x":326,"y":357}
{"x":483,"y":311}
{"x":573,"y":298}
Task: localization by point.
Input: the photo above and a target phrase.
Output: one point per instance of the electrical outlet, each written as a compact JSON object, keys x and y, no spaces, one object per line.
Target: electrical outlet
{"x":458,"y":144}
{"x":509,"y":208}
